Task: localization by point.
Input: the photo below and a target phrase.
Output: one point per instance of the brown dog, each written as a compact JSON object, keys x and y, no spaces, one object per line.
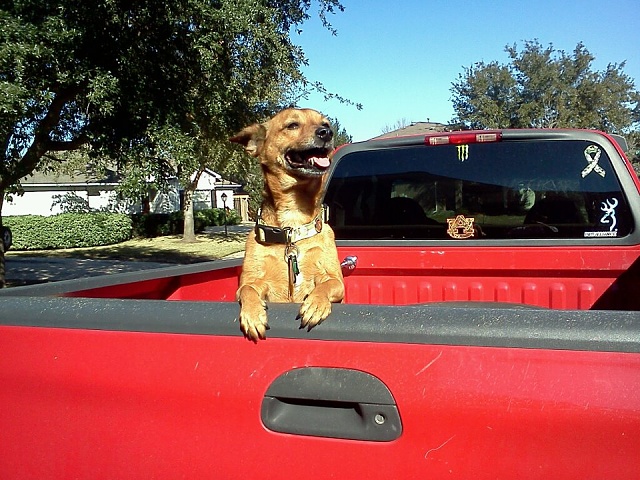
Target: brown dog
{"x":291,"y":255}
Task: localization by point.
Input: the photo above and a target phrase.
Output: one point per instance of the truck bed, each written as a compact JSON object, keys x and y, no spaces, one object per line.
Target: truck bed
{"x":390,"y":273}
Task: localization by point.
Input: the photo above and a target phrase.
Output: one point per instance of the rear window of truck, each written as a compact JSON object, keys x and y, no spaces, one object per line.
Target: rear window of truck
{"x":503,"y":190}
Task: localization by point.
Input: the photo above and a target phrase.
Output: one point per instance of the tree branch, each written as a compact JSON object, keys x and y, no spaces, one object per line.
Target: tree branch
{"x":42,"y":141}
{"x":54,"y":146}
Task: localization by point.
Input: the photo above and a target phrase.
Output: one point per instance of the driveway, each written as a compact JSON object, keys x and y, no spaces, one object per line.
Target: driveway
{"x":31,"y":270}
{"x":24,"y":270}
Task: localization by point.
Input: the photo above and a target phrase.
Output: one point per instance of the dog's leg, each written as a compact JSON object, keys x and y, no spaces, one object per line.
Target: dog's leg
{"x":317,"y":305}
{"x":253,"y":311}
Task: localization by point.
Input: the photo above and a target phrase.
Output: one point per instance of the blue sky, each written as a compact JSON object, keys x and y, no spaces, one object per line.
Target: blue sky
{"x":399,"y":59}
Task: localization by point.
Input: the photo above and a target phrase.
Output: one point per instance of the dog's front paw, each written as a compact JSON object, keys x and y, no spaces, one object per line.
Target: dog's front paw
{"x":314,"y":309}
{"x":253,"y":322}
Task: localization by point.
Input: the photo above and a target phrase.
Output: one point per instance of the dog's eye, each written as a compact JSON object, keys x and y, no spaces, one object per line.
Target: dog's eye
{"x":293,"y":126}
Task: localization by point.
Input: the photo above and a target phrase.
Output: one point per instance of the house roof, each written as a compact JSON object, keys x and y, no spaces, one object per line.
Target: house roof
{"x":77,"y":178}
{"x":416,"y":128}
{"x":110,"y":177}
{"x":213,"y":180}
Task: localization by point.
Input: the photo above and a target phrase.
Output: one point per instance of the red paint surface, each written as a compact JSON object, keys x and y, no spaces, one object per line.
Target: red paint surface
{"x":91,"y":404}
{"x":552,"y":277}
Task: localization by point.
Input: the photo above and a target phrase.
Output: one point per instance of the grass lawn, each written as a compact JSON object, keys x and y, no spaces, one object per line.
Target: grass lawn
{"x":170,"y":249}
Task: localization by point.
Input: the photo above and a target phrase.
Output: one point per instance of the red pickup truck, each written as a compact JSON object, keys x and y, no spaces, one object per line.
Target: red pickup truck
{"x":491,"y":328}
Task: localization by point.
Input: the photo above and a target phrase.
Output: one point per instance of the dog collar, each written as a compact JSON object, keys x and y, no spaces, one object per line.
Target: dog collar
{"x":288,"y":235}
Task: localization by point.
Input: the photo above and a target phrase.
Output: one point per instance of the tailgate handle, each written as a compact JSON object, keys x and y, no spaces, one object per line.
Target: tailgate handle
{"x":331,"y":402}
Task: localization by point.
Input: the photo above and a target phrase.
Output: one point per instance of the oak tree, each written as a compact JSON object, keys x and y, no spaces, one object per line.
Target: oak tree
{"x":542,"y":87}
{"x":116,"y":75}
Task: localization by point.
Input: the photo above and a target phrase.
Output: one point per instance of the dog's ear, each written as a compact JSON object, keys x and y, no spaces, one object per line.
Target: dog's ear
{"x":251,"y":138}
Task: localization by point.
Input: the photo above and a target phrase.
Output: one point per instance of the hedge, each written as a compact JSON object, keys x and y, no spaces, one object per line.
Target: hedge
{"x":71,"y":230}
{"x":68,"y":230}
{"x":149,"y":225}
{"x":215,"y":216}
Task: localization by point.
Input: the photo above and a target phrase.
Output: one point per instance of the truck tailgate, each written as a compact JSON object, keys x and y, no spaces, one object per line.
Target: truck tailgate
{"x":152,"y":389}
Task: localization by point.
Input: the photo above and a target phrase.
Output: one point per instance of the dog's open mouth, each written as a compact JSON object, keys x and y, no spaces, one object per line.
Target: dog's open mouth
{"x":313,"y":161}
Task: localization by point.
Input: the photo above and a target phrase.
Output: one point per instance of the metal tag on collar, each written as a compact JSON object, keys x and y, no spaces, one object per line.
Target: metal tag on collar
{"x":325,"y":213}
{"x":288,"y":236}
{"x":291,"y":256}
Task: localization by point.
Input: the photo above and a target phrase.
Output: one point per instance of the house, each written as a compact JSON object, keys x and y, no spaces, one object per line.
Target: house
{"x":50,"y":194}
{"x":46,"y":194}
{"x":210,"y":190}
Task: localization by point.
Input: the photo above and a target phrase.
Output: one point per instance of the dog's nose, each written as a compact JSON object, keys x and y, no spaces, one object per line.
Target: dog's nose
{"x":324,"y":133}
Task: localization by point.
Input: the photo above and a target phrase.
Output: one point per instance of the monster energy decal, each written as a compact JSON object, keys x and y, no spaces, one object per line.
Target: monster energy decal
{"x":463,"y":152}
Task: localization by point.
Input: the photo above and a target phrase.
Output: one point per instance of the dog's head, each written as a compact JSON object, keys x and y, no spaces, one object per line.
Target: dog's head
{"x":298,"y":141}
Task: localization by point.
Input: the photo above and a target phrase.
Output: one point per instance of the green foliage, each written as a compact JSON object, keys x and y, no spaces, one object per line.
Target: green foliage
{"x":72,"y":230}
{"x":546,"y":88}
{"x":340,"y":135}
{"x":216,"y":216}
{"x":633,"y":153}
{"x":149,"y":225}
{"x":153,"y":88}
{"x":68,"y":230}
{"x":71,"y":202}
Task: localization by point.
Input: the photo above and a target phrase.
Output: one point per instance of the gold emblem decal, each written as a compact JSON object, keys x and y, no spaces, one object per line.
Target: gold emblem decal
{"x":461,"y":227}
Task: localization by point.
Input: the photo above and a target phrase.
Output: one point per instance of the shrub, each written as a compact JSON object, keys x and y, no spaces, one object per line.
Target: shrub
{"x":68,"y":230}
{"x":149,"y":225}
{"x":215,"y":216}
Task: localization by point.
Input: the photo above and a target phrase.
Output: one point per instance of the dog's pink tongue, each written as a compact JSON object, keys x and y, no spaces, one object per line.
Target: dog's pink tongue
{"x":320,"y":162}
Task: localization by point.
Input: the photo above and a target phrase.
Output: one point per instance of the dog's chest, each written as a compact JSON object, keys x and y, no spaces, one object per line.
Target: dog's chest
{"x":292,"y":276}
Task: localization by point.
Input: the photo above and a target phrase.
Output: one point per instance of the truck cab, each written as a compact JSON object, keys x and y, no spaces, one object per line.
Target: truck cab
{"x":520,"y":216}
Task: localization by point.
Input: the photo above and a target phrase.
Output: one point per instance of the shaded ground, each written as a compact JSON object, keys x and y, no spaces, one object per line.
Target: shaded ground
{"x":32,"y":270}
{"x":29,"y":267}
